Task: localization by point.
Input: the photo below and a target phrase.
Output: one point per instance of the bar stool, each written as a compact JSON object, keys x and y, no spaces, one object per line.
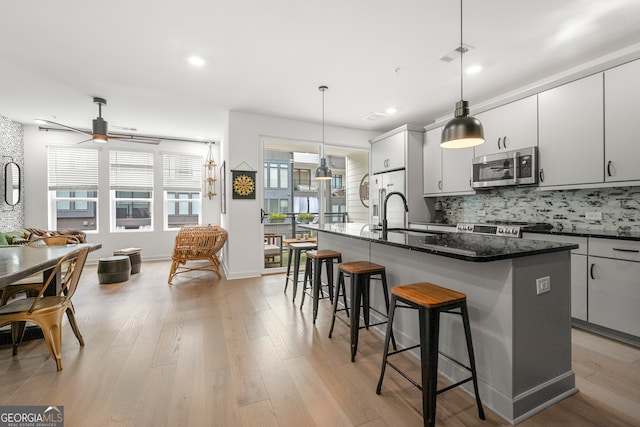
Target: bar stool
{"x":430,"y":300}
{"x":295,"y":250}
{"x":361,"y":273}
{"x":313,"y":270}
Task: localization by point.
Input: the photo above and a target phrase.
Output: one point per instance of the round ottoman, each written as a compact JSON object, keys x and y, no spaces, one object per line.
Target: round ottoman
{"x":114,"y":269}
{"x":134,"y":257}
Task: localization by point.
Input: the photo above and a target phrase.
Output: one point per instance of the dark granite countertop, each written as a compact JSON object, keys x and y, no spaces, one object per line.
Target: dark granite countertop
{"x":611,"y":234}
{"x":468,"y":247}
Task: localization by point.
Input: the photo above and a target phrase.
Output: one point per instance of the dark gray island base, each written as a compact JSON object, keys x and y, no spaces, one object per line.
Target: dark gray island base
{"x":522,"y":339}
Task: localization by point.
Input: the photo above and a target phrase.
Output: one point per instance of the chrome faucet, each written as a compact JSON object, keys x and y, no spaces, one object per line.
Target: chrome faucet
{"x":384,"y":219}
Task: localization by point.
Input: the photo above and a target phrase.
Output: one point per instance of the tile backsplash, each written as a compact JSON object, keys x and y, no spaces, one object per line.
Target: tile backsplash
{"x":11,"y":148}
{"x":620,"y":207}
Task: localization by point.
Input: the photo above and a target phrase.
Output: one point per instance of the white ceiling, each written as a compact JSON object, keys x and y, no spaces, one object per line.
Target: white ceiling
{"x":269,"y":57}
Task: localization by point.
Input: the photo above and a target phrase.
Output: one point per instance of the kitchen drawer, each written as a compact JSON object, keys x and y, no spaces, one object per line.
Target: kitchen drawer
{"x":580,"y":241}
{"x":612,"y":248}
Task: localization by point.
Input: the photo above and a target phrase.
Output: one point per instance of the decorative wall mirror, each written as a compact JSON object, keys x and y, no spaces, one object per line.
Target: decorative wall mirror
{"x":12,"y":183}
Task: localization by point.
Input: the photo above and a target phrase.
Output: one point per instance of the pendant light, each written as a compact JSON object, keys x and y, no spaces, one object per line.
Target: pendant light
{"x":323,"y":171}
{"x":463,"y":130}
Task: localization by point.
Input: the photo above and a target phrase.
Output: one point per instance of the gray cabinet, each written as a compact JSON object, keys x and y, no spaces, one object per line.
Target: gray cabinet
{"x":622,"y":140}
{"x":614,"y":287}
{"x":571,"y":129}
{"x":445,"y":170}
{"x":509,"y":127}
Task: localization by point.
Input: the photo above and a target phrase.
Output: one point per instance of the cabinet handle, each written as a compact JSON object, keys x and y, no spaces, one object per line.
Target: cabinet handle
{"x":635,"y":251}
{"x":591,"y":271}
{"x":609,"y":168}
{"x":440,"y":185}
{"x":504,"y":142}
{"x":541,"y":175}
{"x":499,"y":139}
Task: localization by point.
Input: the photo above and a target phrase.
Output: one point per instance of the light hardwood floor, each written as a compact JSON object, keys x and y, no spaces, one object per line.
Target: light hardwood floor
{"x":208,"y":352}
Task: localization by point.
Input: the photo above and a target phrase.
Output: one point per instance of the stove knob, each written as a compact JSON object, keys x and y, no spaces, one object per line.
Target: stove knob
{"x":500,"y":230}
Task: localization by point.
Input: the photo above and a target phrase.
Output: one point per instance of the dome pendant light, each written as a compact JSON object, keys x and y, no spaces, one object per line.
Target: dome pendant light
{"x":323,"y":171}
{"x":463,"y":130}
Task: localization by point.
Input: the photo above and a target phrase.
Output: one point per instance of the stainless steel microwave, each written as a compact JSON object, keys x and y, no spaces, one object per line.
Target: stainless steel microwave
{"x":518,"y":167}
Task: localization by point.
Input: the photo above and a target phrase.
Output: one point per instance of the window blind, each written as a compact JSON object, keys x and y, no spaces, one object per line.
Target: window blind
{"x":72,"y":168}
{"x":181,"y":172}
{"x":130,"y":169}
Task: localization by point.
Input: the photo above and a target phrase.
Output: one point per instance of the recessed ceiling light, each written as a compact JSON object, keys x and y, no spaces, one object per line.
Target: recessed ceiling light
{"x":391,"y":110}
{"x":474,"y":69}
{"x":40,"y":122}
{"x":199,"y":137}
{"x":196,"y":61}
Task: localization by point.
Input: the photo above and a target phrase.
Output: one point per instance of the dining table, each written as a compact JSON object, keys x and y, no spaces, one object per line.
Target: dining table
{"x":18,"y":262}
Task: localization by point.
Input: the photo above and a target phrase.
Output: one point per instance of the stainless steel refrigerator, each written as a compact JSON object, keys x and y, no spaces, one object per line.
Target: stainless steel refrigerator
{"x":379,"y":186}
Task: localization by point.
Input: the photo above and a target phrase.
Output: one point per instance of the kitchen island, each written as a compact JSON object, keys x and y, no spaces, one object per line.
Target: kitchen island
{"x":522,"y":338}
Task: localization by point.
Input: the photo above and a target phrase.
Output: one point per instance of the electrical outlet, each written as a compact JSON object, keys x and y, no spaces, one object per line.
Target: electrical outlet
{"x":481,"y":213}
{"x":543,"y":284}
{"x":593,"y":216}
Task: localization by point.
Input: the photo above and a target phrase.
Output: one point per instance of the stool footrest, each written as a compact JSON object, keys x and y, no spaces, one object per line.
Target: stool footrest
{"x":402,"y":350}
{"x":407,"y":377}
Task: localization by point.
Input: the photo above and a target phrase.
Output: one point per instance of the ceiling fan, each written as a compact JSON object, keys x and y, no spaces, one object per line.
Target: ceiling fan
{"x":100,"y":130}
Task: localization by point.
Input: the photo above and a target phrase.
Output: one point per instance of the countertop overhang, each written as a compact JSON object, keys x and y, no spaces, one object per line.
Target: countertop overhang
{"x":464,"y":246}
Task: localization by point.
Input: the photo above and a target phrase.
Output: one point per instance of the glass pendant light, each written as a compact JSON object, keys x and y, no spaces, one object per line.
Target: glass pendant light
{"x":323,"y":171}
{"x":463,"y":130}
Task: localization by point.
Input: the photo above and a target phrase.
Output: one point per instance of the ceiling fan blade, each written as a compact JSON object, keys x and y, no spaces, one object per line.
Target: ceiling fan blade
{"x":133,"y":138}
{"x":86,"y":140}
{"x":67,"y":127}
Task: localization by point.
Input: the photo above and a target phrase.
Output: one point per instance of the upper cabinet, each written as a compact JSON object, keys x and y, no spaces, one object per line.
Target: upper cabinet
{"x":622,"y":140}
{"x":445,"y":170}
{"x":570,"y":128}
{"x":388,"y":152}
{"x":509,"y":127}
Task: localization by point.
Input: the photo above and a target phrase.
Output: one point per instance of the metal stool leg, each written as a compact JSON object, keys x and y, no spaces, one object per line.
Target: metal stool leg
{"x":317,"y":269}
{"x":472,"y":359}
{"x":296,"y":271}
{"x":286,"y":282}
{"x":335,"y":302}
{"x":307,"y":274}
{"x":387,"y":337}
{"x":429,"y":331}
{"x":357,"y":286}
{"x":385,"y":291}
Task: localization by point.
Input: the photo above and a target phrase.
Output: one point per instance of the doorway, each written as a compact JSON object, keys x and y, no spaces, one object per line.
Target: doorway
{"x":292,"y":197}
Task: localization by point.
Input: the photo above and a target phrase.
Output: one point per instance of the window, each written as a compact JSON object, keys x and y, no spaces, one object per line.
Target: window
{"x":131,"y":182}
{"x":73,"y":188}
{"x":276,"y":205}
{"x":336,"y":182}
{"x":302,"y":179}
{"x":182,"y":182}
{"x":276,"y":174}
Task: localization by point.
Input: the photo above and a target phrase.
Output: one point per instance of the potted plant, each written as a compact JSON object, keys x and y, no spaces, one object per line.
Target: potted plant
{"x":306,"y":218}
{"x":277,"y":217}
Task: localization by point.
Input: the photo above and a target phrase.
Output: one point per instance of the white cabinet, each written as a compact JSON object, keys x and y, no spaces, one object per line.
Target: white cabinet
{"x":614,"y":288}
{"x":578,"y":270}
{"x":388,"y":153}
{"x":621,"y":140}
{"x":432,"y":162}
{"x":509,"y":127}
{"x":445,"y":170}
{"x":570,"y":129}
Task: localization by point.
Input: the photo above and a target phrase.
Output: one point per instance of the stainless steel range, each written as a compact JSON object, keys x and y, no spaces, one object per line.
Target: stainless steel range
{"x":501,"y":228}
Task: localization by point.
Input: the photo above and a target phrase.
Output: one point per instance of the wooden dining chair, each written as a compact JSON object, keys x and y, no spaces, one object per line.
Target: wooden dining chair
{"x":31,"y":285}
{"x":47,"y":311}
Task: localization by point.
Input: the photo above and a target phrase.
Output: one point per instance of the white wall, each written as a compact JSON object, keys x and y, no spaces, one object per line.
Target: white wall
{"x":242,"y":143}
{"x":155,"y":244}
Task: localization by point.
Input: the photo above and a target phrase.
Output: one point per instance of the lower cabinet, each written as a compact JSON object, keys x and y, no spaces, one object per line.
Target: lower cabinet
{"x":614,"y":285}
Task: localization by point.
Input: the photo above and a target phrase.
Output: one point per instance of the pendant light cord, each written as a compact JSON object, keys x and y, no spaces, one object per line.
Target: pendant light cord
{"x":323,"y":122}
{"x":461,"y":53}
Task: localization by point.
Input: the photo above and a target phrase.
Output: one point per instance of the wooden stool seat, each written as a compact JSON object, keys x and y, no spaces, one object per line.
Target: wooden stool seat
{"x":428,"y":295}
{"x":323,"y":254}
{"x":430,"y":301}
{"x":313,"y":272}
{"x":361,"y":267}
